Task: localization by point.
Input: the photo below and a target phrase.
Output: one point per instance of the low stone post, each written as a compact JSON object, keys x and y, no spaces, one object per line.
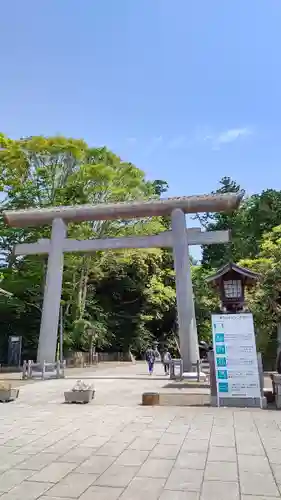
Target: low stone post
{"x":24,"y":370}
{"x":29,"y":369}
{"x":43,"y":370}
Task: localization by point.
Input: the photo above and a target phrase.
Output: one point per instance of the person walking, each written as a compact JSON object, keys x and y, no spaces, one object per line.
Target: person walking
{"x":150,"y":359}
{"x":166,"y":361}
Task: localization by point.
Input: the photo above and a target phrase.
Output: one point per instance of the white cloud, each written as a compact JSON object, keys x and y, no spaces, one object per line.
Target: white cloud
{"x":131,"y":140}
{"x":227,"y":136}
{"x":233,"y":134}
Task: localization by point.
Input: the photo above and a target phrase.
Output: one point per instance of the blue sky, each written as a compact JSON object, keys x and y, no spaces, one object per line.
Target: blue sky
{"x":188,"y":90}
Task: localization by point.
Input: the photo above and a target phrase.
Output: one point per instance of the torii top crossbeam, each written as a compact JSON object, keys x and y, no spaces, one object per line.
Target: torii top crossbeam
{"x":125,"y":210}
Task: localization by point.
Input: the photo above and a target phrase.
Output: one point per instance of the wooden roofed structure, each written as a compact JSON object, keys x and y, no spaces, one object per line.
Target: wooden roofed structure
{"x":230,"y":282}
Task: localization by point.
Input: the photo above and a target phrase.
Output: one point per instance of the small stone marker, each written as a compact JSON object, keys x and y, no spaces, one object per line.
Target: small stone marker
{"x":276,"y":384}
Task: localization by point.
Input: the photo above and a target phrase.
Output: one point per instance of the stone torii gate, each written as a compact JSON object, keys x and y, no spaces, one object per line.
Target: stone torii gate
{"x":179,"y":238}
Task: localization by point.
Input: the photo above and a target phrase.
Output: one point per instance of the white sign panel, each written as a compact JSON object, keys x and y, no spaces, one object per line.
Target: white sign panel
{"x":236,"y":363}
{"x":15,"y":339}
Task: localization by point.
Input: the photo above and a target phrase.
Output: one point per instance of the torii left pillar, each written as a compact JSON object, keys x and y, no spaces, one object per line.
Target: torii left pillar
{"x":52,"y":295}
{"x":184,"y":292}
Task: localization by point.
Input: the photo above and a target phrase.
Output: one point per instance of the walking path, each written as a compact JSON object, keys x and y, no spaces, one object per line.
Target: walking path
{"x":116,"y":449}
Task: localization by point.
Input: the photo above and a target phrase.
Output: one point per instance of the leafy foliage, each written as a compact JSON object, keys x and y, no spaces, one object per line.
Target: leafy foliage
{"x":125,"y":299}
{"x":256,"y":215}
{"x":115,"y":295}
{"x":255,"y":244}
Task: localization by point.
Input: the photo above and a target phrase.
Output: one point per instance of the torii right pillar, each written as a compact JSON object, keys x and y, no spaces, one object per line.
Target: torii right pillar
{"x":184,"y":293}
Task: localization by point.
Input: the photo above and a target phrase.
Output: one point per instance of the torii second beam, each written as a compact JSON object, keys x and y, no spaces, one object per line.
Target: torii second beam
{"x":162,"y":240}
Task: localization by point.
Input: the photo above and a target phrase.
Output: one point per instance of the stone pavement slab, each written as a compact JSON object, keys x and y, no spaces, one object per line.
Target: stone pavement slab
{"x":12,"y":478}
{"x":140,"y":488}
{"x":254,"y":464}
{"x":219,"y":453}
{"x":145,"y":444}
{"x":156,"y":467}
{"x":72,"y":486}
{"x":132,"y":457}
{"x":36,"y":462}
{"x":220,"y":490}
{"x":190,"y":460}
{"x":26,"y":489}
{"x":117,"y":476}
{"x":257,"y":483}
{"x":96,"y":464}
{"x":185,"y":479}
{"x":221,"y":471}
{"x":116,"y":449}
{"x":101,"y":493}
{"x":179,"y":495}
{"x":254,"y":497}
{"x":168,"y":451}
{"x":53,"y":472}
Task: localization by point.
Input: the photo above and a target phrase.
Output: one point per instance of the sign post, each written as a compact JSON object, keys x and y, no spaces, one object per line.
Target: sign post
{"x":236,"y":363}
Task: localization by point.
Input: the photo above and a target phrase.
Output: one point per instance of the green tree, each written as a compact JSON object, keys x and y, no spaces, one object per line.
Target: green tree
{"x":256,"y":215}
{"x":264,"y":299}
{"x":44,"y":171}
{"x":206,"y":301}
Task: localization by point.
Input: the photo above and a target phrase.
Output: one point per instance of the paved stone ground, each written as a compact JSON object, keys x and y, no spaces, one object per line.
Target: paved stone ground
{"x":116,"y":449}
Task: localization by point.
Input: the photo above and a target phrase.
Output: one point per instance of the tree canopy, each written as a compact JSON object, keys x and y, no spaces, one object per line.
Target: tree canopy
{"x":121,"y":296}
{"x":127,"y":298}
{"x":255,"y":244}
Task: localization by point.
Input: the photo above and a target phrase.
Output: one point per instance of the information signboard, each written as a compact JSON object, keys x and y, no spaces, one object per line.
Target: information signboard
{"x":235,"y":354}
{"x":14,"y":350}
